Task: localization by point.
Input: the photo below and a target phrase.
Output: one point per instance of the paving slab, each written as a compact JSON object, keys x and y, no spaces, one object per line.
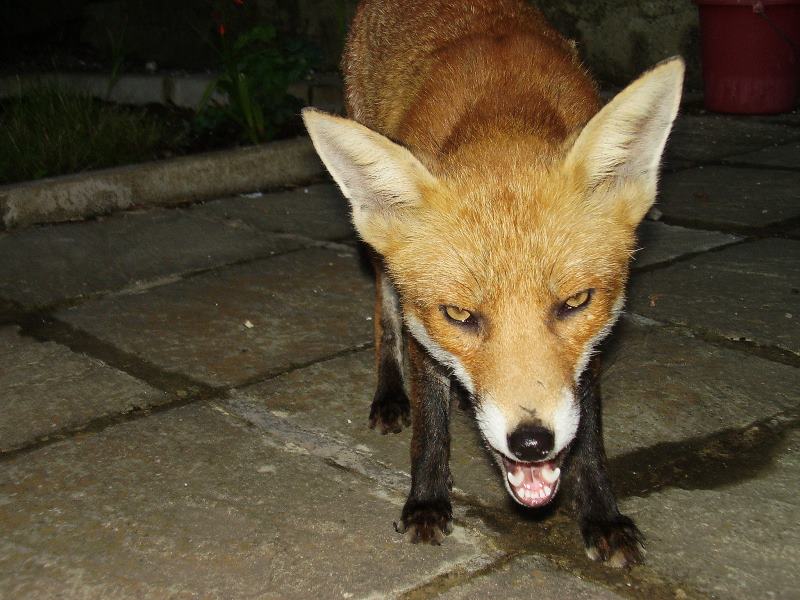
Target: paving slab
{"x":190,"y":503}
{"x":227,"y":327}
{"x":529,"y":577}
{"x":728,"y":196}
{"x":8,"y":311}
{"x":45,"y":265}
{"x":663,"y":243}
{"x":791,"y":118}
{"x":661,"y":387}
{"x":333,"y":398}
{"x":738,"y":541}
{"x":748,"y":291}
{"x":47,"y":388}
{"x":316,"y":211}
{"x":785,"y":156}
{"x":709,"y":137}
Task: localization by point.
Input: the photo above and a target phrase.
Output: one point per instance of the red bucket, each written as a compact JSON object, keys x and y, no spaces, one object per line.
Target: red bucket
{"x":751,"y":55}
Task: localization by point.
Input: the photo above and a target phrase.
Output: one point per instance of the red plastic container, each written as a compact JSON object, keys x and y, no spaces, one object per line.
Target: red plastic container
{"x":751,"y":55}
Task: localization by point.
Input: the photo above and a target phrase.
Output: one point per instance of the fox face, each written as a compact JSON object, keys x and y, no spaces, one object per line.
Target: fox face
{"x":513,"y":302}
{"x":510,"y":258}
{"x":511,"y":285}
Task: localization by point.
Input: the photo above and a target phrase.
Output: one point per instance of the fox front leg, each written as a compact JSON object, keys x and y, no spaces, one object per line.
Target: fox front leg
{"x":608,"y":535}
{"x":390,"y":408}
{"x":427,"y":514}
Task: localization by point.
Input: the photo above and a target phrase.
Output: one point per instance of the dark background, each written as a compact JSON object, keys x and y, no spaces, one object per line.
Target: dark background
{"x":618,"y":39}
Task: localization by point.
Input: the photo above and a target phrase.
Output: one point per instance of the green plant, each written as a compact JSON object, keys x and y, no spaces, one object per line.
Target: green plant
{"x":116,"y":46}
{"x":46,"y":131}
{"x":257,"y":68}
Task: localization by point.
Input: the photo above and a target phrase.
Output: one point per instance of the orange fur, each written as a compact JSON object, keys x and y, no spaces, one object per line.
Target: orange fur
{"x":502,"y":191}
{"x":455,"y":75}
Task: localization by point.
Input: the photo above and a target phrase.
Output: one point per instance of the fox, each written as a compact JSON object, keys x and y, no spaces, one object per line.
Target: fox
{"x":500,"y":200}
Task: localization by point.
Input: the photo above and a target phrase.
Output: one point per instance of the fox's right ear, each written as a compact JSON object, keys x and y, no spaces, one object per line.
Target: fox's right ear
{"x":383,"y":181}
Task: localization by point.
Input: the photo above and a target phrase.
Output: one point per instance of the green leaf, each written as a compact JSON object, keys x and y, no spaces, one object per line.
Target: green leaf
{"x":210,"y":89}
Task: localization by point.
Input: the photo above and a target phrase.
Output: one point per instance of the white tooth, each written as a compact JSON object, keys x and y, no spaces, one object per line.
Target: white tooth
{"x":547,"y":490}
{"x":515,"y":480}
{"x":550,"y":475}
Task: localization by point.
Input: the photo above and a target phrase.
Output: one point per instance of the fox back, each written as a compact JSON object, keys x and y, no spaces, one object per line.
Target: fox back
{"x":433,"y":75}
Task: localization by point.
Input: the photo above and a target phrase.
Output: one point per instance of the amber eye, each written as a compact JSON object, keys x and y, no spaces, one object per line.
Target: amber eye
{"x":457,"y":314}
{"x":577,"y":300}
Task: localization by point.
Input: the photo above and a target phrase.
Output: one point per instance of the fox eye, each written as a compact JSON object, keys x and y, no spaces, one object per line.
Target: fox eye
{"x":459,"y":315}
{"x":576,"y":301}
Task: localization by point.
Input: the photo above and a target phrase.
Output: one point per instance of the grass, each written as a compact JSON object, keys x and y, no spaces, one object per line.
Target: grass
{"x":47,"y":131}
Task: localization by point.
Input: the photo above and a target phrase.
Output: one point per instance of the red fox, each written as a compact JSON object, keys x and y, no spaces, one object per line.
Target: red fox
{"x":501,"y":202}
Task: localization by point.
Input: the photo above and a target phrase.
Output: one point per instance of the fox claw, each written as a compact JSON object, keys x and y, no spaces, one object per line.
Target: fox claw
{"x":389,"y":415}
{"x":426,"y":523}
{"x":618,"y":543}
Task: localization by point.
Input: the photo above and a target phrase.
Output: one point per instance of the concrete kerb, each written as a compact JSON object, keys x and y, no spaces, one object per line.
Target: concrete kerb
{"x":162,"y":183}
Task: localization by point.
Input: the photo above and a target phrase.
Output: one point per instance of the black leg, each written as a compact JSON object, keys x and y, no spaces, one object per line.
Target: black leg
{"x":427,"y":514}
{"x":609,"y":536}
{"x":460,"y":396}
{"x":390,"y":408}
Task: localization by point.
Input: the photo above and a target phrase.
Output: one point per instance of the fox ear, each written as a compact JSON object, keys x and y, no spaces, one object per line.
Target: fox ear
{"x":619,"y":150}
{"x":381,"y":179}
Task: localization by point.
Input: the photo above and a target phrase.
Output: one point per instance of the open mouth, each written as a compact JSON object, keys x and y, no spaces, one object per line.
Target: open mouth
{"x":532,"y":484}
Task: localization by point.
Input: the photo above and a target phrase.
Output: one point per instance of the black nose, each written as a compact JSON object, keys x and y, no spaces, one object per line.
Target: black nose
{"x":530,"y":442}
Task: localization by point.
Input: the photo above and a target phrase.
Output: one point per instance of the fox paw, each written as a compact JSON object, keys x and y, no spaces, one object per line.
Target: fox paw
{"x":389,"y":413}
{"x":426,"y":522}
{"x":617,"y":542}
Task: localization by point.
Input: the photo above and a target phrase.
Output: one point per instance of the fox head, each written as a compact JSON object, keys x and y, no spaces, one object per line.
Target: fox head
{"x":511,"y":267}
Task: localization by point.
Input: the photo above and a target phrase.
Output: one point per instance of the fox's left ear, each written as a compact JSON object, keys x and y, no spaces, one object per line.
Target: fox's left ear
{"x":617,"y":154}
{"x":384,"y":182}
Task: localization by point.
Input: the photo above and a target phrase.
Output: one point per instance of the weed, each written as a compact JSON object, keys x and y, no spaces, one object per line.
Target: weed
{"x":46,"y":131}
{"x":116,"y":46}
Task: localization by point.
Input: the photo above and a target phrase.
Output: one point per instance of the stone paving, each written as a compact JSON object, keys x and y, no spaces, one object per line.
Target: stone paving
{"x":184,"y":396}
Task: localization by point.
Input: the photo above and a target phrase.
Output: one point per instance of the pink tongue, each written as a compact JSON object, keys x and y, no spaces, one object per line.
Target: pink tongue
{"x":532,"y":477}
{"x":532,"y":489}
